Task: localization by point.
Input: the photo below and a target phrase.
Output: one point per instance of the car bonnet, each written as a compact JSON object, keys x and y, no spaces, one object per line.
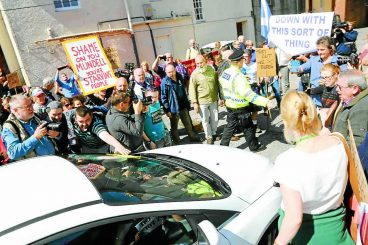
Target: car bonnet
{"x":40,"y":187}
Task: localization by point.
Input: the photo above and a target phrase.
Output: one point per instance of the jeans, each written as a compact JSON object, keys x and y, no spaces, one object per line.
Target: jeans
{"x":185,"y":118}
{"x":209,"y":117}
{"x":284,"y":79}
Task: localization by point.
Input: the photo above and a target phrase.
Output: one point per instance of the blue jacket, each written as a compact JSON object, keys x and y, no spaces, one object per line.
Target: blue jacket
{"x":168,"y":96}
{"x":349,"y":36}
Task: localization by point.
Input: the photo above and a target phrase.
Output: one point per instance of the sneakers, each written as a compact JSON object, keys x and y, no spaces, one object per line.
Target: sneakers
{"x":210,"y":141}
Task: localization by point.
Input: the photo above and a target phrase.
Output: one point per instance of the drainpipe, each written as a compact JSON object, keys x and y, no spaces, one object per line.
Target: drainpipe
{"x":131,"y":29}
{"x":153,"y":40}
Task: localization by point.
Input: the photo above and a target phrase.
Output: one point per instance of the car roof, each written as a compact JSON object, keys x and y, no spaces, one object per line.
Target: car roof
{"x":25,"y":184}
{"x":212,"y":45}
{"x":249,"y":175}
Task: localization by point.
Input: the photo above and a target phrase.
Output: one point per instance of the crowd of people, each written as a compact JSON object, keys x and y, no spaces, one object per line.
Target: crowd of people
{"x":56,"y":118}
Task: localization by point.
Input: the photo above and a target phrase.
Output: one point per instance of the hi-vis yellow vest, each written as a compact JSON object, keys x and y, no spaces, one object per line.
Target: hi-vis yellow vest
{"x":237,"y":91}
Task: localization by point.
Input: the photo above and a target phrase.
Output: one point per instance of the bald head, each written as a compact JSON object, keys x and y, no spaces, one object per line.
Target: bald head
{"x":121,"y":84}
{"x":170,"y":71}
{"x":139,"y":75}
{"x":225,"y":54}
{"x":200,"y":61}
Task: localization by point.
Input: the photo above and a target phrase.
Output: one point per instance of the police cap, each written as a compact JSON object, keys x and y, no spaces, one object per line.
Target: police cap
{"x":237,"y":55}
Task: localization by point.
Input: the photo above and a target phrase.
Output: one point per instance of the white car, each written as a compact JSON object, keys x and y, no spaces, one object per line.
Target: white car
{"x":188,"y":194}
{"x":210,"y":46}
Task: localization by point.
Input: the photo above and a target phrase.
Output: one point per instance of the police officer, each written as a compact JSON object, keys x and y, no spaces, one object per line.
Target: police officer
{"x":238,"y":95}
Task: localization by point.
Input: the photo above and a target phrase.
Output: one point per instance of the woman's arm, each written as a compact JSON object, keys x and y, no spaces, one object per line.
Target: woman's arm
{"x":293,"y":205}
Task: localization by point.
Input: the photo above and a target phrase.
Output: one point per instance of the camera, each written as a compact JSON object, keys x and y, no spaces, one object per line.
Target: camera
{"x":127,"y":72}
{"x":163,"y":57}
{"x":338,"y":25}
{"x":54,"y":126}
{"x":352,"y":59}
{"x":147,"y":100}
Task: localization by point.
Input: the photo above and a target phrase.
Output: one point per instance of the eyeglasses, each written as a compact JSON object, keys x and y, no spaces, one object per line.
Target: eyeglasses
{"x":327,"y":77}
{"x":67,"y":104}
{"x":341,"y":87}
{"x":28,"y":107}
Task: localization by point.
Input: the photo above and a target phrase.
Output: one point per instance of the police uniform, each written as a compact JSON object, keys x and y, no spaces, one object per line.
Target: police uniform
{"x":238,"y":95}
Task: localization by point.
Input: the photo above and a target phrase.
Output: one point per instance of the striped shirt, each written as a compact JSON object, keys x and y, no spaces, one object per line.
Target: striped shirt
{"x":90,"y":137}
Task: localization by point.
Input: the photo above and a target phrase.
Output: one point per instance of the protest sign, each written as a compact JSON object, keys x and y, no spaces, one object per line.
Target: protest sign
{"x":90,"y":64}
{"x":357,"y":177}
{"x":266,"y":62}
{"x":113,"y":56}
{"x":13,"y":80}
{"x":297,"y":33}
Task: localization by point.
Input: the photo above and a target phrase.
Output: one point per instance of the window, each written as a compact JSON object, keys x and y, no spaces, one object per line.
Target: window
{"x":167,"y":229}
{"x":198,"y":10}
{"x":122,"y":180}
{"x":63,"y":5}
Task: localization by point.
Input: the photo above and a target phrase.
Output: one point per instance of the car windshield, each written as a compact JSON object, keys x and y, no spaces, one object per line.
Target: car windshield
{"x":132,"y":179}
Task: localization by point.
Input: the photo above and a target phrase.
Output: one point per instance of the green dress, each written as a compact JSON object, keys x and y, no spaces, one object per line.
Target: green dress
{"x":328,"y":228}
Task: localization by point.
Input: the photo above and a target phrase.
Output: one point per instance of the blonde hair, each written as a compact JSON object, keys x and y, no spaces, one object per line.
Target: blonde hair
{"x":299,"y":115}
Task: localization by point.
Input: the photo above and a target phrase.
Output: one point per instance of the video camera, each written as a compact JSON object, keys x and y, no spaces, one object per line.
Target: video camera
{"x":352,"y":59}
{"x":127,"y":72}
{"x":337,"y":25}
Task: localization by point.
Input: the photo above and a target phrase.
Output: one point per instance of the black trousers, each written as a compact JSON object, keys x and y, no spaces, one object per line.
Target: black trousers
{"x":241,"y":115}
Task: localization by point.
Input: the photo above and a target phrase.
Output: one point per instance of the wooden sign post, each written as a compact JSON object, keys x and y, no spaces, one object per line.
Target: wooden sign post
{"x":357,"y":177}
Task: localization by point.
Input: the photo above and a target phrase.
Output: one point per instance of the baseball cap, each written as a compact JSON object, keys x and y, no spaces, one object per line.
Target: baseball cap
{"x":37,"y":92}
{"x":54,"y":105}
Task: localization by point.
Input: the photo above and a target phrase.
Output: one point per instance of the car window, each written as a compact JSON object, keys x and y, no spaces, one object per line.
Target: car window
{"x":170,"y":229}
{"x":134,"y":179}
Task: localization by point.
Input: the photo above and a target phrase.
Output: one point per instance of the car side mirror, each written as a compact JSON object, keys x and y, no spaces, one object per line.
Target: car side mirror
{"x":208,"y":233}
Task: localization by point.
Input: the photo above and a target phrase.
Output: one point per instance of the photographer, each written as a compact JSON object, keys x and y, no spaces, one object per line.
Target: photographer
{"x":345,"y":38}
{"x":24,"y":135}
{"x":168,"y":59}
{"x":126,"y":128}
{"x":58,"y":126}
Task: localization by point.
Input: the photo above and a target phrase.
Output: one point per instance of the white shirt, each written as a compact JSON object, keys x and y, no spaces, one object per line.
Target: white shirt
{"x":319,"y":177}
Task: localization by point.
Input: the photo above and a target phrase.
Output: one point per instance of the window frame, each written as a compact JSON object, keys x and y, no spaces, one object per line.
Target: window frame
{"x":66,"y":8}
{"x":193,"y":217}
{"x":198,"y":10}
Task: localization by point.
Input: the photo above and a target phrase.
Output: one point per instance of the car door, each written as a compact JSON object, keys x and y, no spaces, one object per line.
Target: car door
{"x":165,"y":227}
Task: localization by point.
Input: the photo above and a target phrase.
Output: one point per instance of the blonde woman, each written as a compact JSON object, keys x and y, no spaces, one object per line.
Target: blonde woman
{"x":312,"y":177}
